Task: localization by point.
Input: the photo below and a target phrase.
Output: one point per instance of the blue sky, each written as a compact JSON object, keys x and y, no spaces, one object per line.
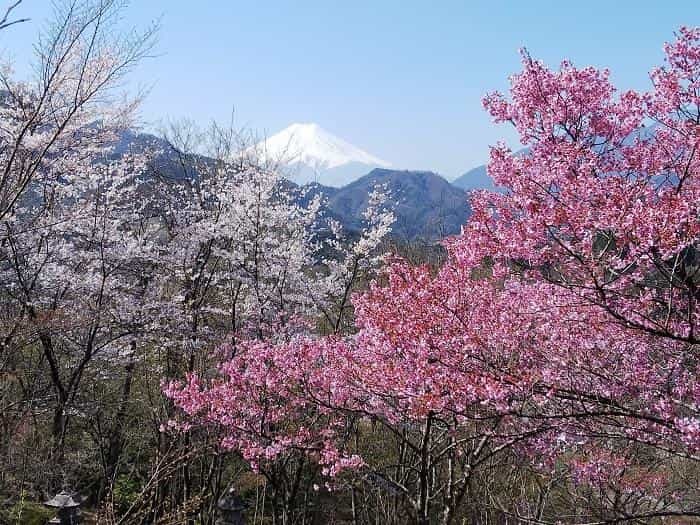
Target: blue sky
{"x":400,"y":79}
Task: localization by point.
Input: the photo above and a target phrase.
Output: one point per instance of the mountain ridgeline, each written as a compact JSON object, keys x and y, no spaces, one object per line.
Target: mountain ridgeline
{"x":426,"y":206}
{"x":475,"y":179}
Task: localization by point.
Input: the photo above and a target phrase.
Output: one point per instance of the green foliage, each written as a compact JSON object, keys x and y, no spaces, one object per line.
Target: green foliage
{"x":125,"y":492}
{"x":26,"y":513}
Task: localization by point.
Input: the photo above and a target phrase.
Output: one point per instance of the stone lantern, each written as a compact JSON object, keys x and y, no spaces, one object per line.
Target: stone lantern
{"x":67,"y":508}
{"x":231,"y":508}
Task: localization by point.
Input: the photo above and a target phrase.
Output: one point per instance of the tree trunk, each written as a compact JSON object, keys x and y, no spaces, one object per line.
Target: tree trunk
{"x":116,"y":437}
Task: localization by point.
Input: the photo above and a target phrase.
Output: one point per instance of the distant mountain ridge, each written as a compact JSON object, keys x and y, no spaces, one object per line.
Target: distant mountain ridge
{"x":425,"y":204}
{"x":475,"y":179}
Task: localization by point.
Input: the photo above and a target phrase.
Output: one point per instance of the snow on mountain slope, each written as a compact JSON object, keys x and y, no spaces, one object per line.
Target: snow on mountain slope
{"x":312,"y":154}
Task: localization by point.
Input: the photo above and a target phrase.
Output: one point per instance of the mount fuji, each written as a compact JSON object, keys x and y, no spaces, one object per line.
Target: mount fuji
{"x":308,"y":153}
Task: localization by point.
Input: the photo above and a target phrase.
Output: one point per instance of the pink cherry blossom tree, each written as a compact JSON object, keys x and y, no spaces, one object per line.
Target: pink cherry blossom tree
{"x":567,"y":307}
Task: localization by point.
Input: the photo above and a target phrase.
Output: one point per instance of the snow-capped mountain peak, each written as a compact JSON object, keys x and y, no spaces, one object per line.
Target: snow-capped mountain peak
{"x":314,"y":154}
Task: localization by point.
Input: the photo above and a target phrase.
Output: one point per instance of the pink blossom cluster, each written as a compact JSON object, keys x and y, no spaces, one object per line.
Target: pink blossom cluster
{"x":272,"y":400}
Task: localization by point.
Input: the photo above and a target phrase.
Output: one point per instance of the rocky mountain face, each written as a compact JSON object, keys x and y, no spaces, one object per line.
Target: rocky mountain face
{"x":426,"y":206}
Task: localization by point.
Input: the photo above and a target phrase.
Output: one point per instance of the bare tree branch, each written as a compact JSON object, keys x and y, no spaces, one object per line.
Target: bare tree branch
{"x":6,"y":22}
